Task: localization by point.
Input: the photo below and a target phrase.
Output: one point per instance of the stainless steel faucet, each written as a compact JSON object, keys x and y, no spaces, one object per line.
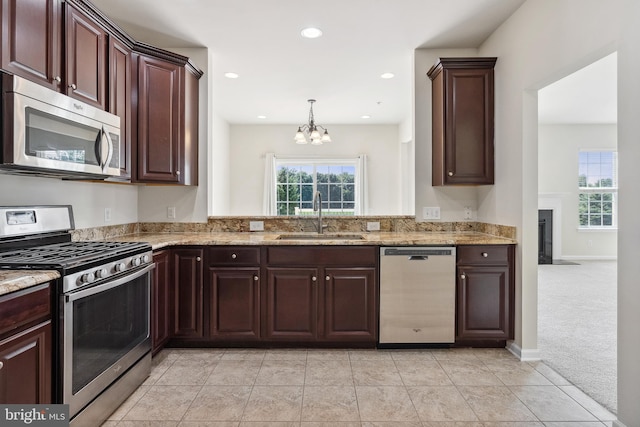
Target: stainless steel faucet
{"x":317,"y":206}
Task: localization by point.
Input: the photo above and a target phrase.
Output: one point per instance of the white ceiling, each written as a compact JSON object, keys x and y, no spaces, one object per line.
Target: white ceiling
{"x":279,"y":70}
{"x":587,"y":96}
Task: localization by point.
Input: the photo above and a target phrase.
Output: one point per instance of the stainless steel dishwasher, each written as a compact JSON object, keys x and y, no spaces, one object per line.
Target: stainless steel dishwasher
{"x":417,"y":295}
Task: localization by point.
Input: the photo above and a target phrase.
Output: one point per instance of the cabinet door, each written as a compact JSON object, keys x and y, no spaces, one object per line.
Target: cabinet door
{"x":234,"y":303}
{"x":85,"y":58}
{"x":187,"y":279}
{"x":292,"y":304}
{"x":120,"y":102}
{"x":350,"y":305}
{"x":159,"y":155}
{"x":25,"y":371}
{"x":161,"y":300}
{"x":31,"y":40}
{"x":484,"y":303}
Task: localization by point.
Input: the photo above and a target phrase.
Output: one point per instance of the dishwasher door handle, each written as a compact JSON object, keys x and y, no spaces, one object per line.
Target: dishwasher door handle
{"x":418,"y":258}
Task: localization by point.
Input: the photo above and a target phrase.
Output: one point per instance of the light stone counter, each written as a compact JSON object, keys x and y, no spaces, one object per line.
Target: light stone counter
{"x":162,"y":240}
{"x":15,"y":280}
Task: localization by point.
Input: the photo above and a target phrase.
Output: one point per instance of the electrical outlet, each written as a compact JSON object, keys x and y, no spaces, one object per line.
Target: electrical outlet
{"x":107,"y":214}
{"x":171,"y":212}
{"x":431,"y":212}
{"x":468,"y":213}
{"x":373,"y":226}
{"x":256,"y":225}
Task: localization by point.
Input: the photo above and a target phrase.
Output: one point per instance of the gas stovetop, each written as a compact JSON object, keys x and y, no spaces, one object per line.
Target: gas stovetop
{"x":69,"y":255}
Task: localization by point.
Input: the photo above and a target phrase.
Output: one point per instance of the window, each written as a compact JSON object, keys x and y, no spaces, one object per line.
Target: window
{"x":598,"y":189}
{"x":298,"y":180}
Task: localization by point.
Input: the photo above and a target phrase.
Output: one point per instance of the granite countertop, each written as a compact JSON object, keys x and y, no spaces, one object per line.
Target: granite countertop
{"x":14,"y":280}
{"x":162,"y":240}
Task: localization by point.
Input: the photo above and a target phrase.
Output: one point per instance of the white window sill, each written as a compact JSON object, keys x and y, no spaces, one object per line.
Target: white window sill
{"x":597,"y":229}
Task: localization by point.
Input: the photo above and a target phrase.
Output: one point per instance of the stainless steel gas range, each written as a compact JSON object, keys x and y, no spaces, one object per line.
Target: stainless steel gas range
{"x":102,"y":350}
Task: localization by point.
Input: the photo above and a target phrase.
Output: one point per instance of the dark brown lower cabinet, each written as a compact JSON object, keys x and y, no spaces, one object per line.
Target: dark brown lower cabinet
{"x":161,"y":300}
{"x":485,"y":293}
{"x":350,"y":305}
{"x":234,"y":303}
{"x":187,"y":308}
{"x":25,"y":375}
{"x":292,"y":304}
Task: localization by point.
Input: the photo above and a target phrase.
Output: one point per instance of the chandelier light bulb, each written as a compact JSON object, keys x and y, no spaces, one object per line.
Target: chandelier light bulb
{"x":315,"y":134}
{"x":325,"y":137}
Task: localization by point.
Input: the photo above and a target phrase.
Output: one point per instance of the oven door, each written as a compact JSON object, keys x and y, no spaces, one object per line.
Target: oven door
{"x":105,"y":331}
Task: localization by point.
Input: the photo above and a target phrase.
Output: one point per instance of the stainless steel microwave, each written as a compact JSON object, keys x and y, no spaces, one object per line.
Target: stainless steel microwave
{"x":51,"y":134}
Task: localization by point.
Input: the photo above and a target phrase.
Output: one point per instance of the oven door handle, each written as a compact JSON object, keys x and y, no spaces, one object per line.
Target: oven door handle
{"x":109,"y":285}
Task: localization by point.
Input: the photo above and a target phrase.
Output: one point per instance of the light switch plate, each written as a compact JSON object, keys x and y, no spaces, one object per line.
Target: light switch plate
{"x":107,"y":214}
{"x":373,"y":226}
{"x":171,"y":212}
{"x":256,"y":225}
{"x":431,"y":212}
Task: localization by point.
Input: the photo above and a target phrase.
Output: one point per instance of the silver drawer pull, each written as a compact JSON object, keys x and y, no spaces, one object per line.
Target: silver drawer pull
{"x":1,"y":365}
{"x":255,"y":278}
{"x":198,"y":259}
{"x":484,"y":254}
{"x":234,"y":256}
{"x":314,"y":278}
{"x":327,"y":277}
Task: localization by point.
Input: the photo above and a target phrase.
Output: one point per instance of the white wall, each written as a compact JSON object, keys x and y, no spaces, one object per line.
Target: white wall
{"x":558,"y":147}
{"x":191,"y":203}
{"x":249,"y":143}
{"x":544,"y":41}
{"x":89,"y":199}
{"x":451,"y":200}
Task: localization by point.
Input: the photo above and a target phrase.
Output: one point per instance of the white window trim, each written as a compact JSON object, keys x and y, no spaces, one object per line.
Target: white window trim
{"x":273,"y":161}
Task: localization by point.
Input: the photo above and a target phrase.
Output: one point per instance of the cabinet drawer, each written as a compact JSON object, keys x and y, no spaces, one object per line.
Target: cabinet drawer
{"x":25,"y":306}
{"x":326,"y":255}
{"x":483,"y":254}
{"x":234,"y":255}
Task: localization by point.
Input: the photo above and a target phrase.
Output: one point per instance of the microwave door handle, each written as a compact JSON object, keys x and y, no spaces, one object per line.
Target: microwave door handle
{"x":109,"y":141}
{"x":98,"y":147}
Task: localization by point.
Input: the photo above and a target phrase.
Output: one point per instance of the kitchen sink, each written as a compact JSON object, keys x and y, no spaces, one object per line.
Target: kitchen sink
{"x":331,"y":236}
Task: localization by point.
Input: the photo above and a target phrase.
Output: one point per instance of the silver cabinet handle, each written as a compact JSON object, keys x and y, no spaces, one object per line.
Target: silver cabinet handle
{"x":463,"y":276}
{"x":484,"y":254}
{"x":1,"y":365}
{"x":450,"y":173}
{"x":57,"y":79}
{"x":234,"y":256}
{"x":178,"y":173}
{"x":198,"y":259}
{"x":255,"y":278}
{"x":314,"y":278}
{"x":327,"y":277}
{"x":73,"y":86}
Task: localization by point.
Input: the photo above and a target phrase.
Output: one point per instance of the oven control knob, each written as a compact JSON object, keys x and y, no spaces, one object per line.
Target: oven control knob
{"x":146,"y":258}
{"x":88,"y":278}
{"x":135,"y":261}
{"x":120,"y":267}
{"x":101,"y":273}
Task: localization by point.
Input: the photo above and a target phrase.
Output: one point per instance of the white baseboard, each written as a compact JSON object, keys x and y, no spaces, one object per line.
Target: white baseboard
{"x":527,"y":355}
{"x":588,"y":258}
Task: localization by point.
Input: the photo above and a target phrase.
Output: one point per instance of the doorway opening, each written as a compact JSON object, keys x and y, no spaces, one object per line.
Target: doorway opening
{"x":577,"y":302}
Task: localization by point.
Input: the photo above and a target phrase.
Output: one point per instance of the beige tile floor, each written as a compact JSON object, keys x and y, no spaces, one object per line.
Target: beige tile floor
{"x":372,"y":388}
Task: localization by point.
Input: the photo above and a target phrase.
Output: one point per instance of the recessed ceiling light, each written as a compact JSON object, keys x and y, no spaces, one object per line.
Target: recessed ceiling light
{"x":365,"y":117}
{"x":311,"y":33}
{"x":262,"y":117}
{"x":387,"y":75}
{"x":231,"y":75}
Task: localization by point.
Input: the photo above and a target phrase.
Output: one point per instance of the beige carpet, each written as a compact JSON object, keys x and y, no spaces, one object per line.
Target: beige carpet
{"x":577,"y":311}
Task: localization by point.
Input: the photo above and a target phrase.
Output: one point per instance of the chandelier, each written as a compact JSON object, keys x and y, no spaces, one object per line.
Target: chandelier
{"x":310,"y":132}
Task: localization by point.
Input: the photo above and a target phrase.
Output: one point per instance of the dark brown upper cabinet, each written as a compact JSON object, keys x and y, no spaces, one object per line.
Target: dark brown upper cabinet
{"x":31,"y":40}
{"x":86,"y":58}
{"x":167,"y":121}
{"x":120,"y":99}
{"x":463,"y":115}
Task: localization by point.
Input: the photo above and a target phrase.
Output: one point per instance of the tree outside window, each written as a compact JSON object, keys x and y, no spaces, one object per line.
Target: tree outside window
{"x":598,"y":189}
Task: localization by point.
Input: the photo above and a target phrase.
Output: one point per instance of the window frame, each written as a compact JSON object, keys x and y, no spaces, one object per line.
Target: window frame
{"x":590,"y":191}
{"x":315,"y":163}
